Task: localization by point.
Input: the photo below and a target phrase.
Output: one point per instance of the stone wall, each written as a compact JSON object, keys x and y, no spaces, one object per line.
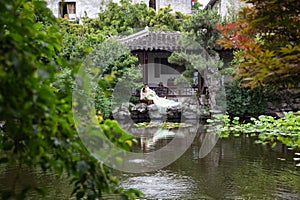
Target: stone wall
{"x":189,"y":109}
{"x":283,"y":101}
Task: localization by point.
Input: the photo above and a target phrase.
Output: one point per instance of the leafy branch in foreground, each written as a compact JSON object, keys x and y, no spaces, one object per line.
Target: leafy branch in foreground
{"x":38,"y":131}
{"x":268,"y":128}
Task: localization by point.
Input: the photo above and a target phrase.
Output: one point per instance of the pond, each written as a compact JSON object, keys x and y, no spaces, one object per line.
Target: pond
{"x":236,"y":168}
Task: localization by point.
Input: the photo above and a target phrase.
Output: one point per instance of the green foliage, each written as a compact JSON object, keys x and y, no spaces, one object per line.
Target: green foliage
{"x":197,"y":6}
{"x":78,"y":40}
{"x":220,"y":124}
{"x":108,"y":64}
{"x":268,"y":128}
{"x":125,"y":17}
{"x":102,"y":103}
{"x":201,"y":27}
{"x":243,"y":101}
{"x":280,"y":32}
{"x":123,"y":69}
{"x":39,"y":129}
{"x":182,"y":59}
{"x":104,"y":57}
{"x":165,"y":20}
{"x":200,"y":35}
{"x":117,"y":18}
{"x":268,"y":37}
{"x":117,"y":135}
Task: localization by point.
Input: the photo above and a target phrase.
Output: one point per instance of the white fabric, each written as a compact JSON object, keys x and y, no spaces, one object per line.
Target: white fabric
{"x":143,"y":95}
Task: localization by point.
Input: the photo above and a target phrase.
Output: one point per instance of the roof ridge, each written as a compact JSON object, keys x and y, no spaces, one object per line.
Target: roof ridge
{"x":153,"y":40}
{"x":145,"y":32}
{"x":136,"y":35}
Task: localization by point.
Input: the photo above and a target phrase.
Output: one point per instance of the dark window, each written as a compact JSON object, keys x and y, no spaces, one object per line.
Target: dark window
{"x":152,"y":4}
{"x":67,"y":9}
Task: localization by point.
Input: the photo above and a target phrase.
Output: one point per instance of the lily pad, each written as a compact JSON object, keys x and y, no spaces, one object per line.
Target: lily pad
{"x":164,"y":125}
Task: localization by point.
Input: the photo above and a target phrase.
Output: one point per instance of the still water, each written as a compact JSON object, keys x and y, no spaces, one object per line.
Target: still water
{"x":236,"y":168}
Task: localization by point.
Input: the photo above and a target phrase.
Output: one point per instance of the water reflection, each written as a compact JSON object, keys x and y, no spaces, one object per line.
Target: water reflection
{"x":236,"y":168}
{"x":162,"y":184}
{"x":18,"y":177}
{"x":157,"y":148}
{"x":160,"y":138}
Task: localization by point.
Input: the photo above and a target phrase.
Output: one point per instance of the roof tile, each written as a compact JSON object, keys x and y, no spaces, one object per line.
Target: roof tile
{"x":149,"y":40}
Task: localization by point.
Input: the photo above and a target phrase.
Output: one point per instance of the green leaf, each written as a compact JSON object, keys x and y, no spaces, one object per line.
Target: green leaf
{"x":38,"y":26}
{"x":80,"y":194}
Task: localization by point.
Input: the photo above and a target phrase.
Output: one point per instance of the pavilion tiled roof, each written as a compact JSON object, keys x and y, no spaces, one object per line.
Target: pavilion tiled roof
{"x":149,"y":40}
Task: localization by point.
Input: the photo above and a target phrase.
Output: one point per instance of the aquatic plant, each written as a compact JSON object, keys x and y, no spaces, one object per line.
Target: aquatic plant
{"x":164,"y":125}
{"x":268,"y":129}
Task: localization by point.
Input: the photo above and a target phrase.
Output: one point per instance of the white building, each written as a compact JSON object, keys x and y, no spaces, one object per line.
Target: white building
{"x":77,"y":8}
{"x":226,"y":8}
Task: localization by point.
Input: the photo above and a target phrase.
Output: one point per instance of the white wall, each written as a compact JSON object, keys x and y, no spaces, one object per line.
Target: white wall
{"x":230,"y":7}
{"x":183,"y":6}
{"x":92,"y":7}
{"x":226,"y":8}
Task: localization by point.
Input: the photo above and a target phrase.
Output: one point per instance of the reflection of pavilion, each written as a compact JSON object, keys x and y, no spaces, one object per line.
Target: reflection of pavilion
{"x":153,"y":50}
{"x":152,"y":139}
{"x":160,"y":138}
